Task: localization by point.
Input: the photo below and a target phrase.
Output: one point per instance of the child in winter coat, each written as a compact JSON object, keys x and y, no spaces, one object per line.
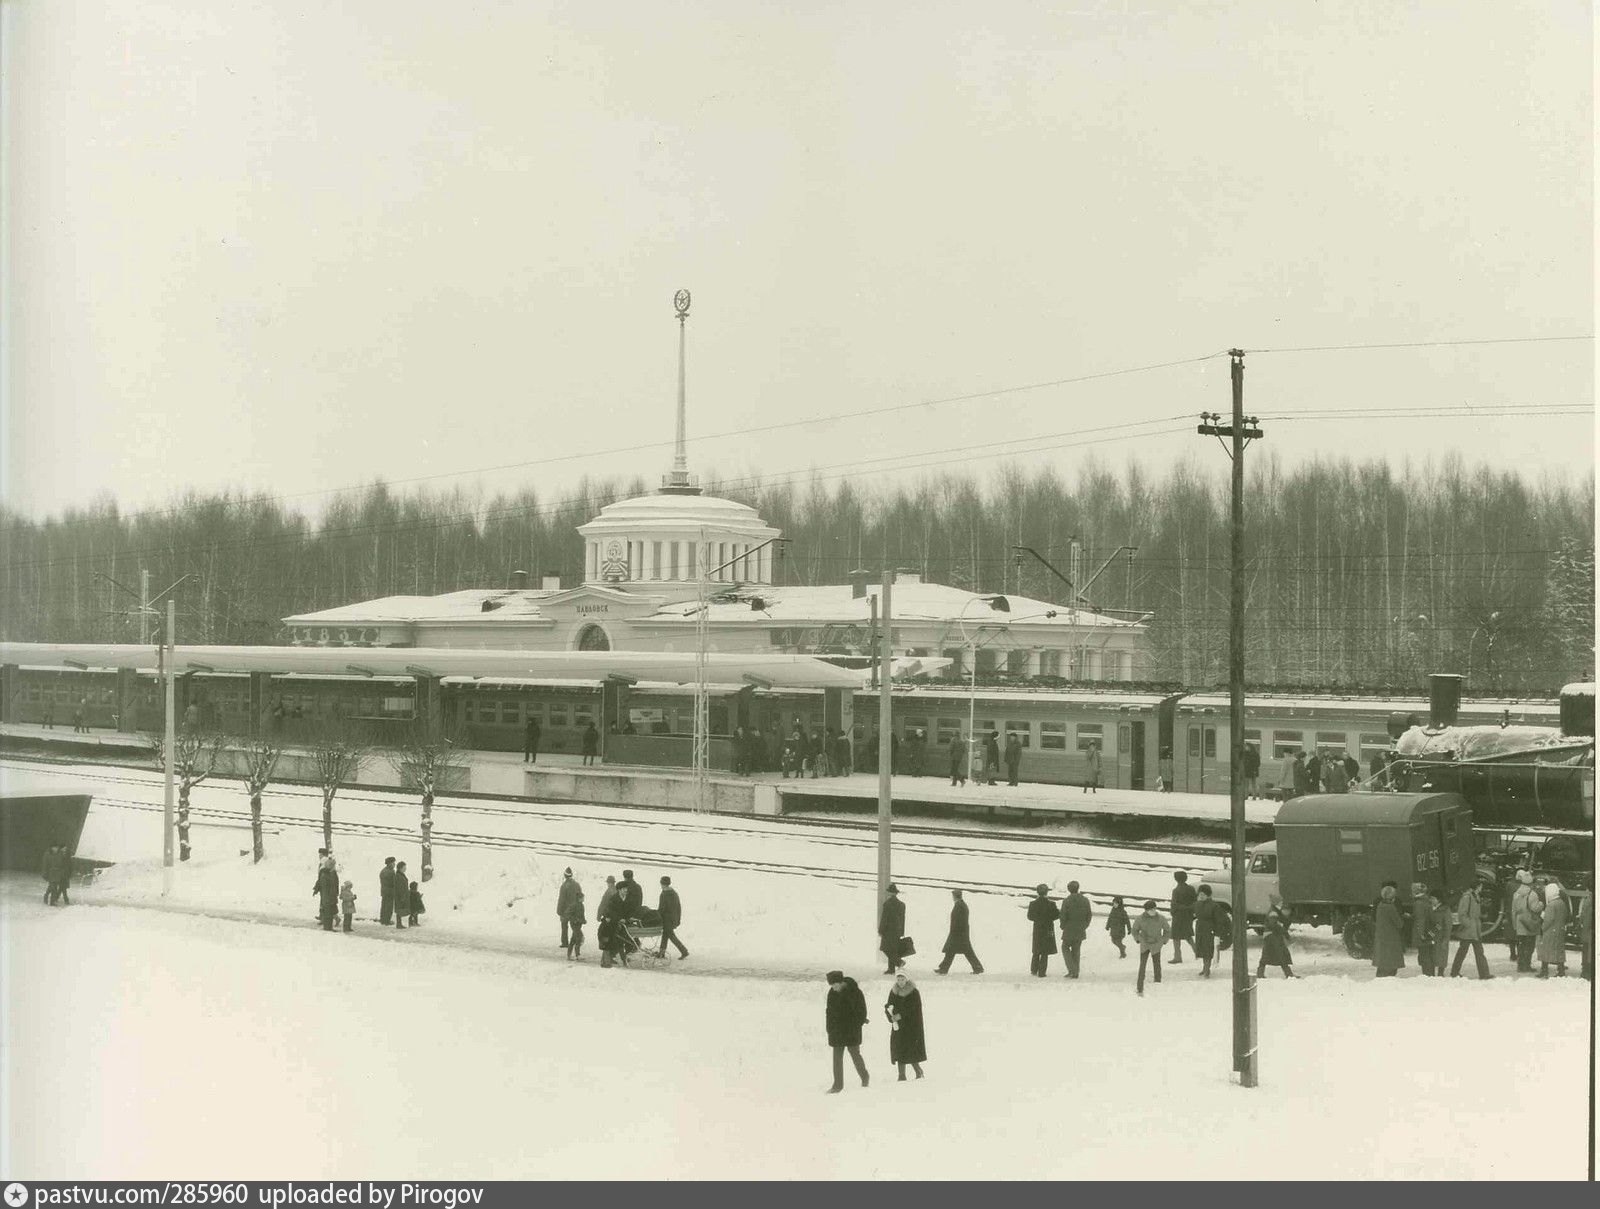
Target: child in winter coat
{"x":1118,"y":924}
{"x":347,"y":900}
{"x":1151,"y":931}
{"x":575,"y":921}
{"x":416,"y":905}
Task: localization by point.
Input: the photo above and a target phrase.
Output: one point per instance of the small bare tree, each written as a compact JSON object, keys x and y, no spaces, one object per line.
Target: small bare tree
{"x":338,"y":751}
{"x":259,"y":755}
{"x":195,"y":754}
{"x":424,"y":757}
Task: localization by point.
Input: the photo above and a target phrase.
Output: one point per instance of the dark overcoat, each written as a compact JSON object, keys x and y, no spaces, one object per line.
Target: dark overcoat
{"x":847,"y":1012}
{"x":671,"y":908}
{"x":960,"y":938}
{"x":1076,"y":915}
{"x":891,"y":927}
{"x":1207,"y":926}
{"x":907,"y":1041}
{"x":630,"y":897}
{"x":1388,"y":939}
{"x":1043,"y":912}
{"x":1275,"y":939}
{"x":1183,"y":900}
{"x":386,"y":884}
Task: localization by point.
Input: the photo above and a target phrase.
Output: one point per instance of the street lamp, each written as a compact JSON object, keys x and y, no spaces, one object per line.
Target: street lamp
{"x":1000,"y":605}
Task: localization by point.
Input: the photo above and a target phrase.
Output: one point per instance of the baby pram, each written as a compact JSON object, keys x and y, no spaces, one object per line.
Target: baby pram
{"x":620,"y":939}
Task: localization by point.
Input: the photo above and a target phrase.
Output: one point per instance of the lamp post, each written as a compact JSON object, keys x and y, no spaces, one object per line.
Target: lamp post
{"x":1000,"y":605}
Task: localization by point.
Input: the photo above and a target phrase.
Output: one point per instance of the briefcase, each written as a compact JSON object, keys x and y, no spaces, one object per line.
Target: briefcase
{"x":907,"y":946}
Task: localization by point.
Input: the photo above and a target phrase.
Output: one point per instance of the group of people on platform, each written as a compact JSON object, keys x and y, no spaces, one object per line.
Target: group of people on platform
{"x":399,"y":899}
{"x":620,"y":913}
{"x":796,"y":753}
{"x":1537,"y":916}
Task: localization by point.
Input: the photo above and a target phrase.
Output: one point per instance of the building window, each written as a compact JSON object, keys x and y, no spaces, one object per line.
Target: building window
{"x":983,"y":727}
{"x":1023,"y":731}
{"x":1090,"y":734}
{"x":1286,"y":742}
{"x":1052,"y":736}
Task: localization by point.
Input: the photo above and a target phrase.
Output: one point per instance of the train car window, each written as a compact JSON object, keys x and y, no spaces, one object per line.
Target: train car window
{"x":1052,"y":736}
{"x":1331,"y":739}
{"x":950,"y":728}
{"x":1194,"y":741}
{"x":1374,"y":742}
{"x":1090,"y":734}
{"x":912,"y":724}
{"x":983,"y":726}
{"x":1286,"y":742}
{"x":1023,"y":731}
{"x":1252,"y":737}
{"x":558,"y":714}
{"x":582,"y":715}
{"x":1211,"y":742}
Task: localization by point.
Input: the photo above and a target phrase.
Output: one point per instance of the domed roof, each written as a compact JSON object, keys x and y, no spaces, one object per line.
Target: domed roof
{"x":669,"y":511}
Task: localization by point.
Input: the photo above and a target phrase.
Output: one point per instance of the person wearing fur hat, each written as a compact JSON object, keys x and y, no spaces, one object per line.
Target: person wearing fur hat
{"x":845,"y":1016}
{"x":568,"y":894}
{"x":347,"y":900}
{"x":1553,"y":932}
{"x":1043,"y":913}
{"x":632,"y":895}
{"x":1388,"y":934}
{"x":1526,"y":907}
{"x":908,"y":1045}
{"x":892,"y":929}
{"x":1183,"y":899}
{"x":1150,"y":931}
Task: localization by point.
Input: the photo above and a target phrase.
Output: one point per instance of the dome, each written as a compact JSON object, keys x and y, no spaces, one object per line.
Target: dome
{"x":659,"y":538}
{"x":675,"y":511}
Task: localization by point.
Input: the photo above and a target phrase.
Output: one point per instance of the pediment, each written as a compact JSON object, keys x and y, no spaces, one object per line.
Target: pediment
{"x":591,"y":600}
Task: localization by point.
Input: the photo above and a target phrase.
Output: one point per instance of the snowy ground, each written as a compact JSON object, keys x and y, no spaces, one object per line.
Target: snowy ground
{"x":217,"y":1032}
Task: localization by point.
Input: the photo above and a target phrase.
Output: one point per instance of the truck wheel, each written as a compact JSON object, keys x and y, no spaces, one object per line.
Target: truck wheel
{"x":1358,"y":936}
{"x":1491,"y":907}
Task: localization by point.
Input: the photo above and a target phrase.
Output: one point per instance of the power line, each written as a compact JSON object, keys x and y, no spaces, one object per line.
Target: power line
{"x":1342,"y":348}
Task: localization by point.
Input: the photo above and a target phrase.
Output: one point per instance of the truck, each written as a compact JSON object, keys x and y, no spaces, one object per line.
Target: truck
{"x":1332,"y":852}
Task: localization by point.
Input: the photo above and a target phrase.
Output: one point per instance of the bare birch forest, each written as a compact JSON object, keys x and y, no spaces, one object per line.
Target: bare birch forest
{"x":1360,"y":576}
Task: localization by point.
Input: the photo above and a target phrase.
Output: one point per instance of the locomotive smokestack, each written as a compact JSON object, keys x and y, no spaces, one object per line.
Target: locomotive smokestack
{"x":1577,"y":710}
{"x":1444,"y":699}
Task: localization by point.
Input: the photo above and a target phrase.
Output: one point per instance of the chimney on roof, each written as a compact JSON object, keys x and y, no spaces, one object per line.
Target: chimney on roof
{"x":519,"y":581}
{"x":908,"y":577}
{"x":858,"y":582}
{"x":551,"y":583}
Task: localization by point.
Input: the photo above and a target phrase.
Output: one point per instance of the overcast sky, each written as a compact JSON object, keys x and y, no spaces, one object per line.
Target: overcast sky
{"x":294,"y":247}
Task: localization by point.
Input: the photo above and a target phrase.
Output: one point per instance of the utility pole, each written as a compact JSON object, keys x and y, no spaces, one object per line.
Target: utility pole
{"x":144,"y":607}
{"x":1239,"y":433}
{"x":885,"y":725}
{"x":170,"y":657}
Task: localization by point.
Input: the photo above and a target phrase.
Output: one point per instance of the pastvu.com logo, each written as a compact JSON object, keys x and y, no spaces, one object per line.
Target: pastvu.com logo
{"x":16,"y":1195}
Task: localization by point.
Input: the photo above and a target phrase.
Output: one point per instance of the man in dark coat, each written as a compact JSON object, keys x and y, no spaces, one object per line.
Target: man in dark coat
{"x":386,"y":890}
{"x":1043,"y":913}
{"x":591,"y":744}
{"x":530,"y":742}
{"x":1183,"y":897}
{"x":1314,"y":773}
{"x":630,"y":895}
{"x":50,"y":867}
{"x":1076,"y":913}
{"x":566,"y":898}
{"x":1301,"y":774}
{"x":1250,"y":770}
{"x":1208,"y":924}
{"x":1013,"y":758}
{"x":846,"y":1013}
{"x":402,"y":895}
{"x":326,"y":889}
{"x":991,"y":757}
{"x":960,"y":938}
{"x":958,"y":760}
{"x":892,"y":929}
{"x":671,"y":916}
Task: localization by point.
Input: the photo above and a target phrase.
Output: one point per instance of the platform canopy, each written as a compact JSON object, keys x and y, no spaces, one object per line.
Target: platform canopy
{"x":765,"y":671}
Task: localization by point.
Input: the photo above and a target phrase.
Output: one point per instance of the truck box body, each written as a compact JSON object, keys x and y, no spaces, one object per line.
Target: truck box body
{"x":1339,"y":848}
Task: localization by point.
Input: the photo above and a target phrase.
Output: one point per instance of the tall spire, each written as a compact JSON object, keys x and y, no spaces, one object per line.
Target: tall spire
{"x":678,"y":481}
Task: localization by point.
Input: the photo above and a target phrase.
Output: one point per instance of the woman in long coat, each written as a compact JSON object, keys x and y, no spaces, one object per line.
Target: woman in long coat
{"x":1553,"y":933}
{"x":1275,"y":941}
{"x":1207,"y":923}
{"x":908,"y":1045}
{"x":1388,"y":937}
{"x":1043,"y":913}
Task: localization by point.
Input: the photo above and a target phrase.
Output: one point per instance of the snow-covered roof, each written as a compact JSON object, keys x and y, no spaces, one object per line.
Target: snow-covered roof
{"x":510,"y":605}
{"x":837,"y":604}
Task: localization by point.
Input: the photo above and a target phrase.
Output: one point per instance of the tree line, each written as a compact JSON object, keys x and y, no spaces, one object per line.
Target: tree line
{"x":1359,"y":575}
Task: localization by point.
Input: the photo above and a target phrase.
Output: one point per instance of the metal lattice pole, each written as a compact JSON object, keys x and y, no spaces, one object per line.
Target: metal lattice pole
{"x":702,"y":704}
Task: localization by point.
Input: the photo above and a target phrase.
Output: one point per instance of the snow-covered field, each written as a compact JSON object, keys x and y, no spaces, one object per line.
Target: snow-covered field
{"x":218,"y":1032}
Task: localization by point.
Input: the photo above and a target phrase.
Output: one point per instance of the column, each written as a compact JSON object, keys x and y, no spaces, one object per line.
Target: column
{"x":636,"y":560}
{"x":1032,"y":667}
{"x":11,"y":682}
{"x":430,"y":702}
{"x":259,"y":700}
{"x":650,"y":560}
{"x":127,"y":699}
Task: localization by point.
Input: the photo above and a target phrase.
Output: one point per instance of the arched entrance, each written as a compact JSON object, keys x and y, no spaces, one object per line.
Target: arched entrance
{"x":593,"y":638}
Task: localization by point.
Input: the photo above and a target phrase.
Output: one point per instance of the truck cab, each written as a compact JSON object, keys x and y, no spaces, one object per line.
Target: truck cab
{"x":1260,"y":881}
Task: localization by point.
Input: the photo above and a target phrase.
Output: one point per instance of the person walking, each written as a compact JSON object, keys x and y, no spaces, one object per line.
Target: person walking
{"x":1150,"y":930}
{"x":1165,"y":770}
{"x":845,"y":1017}
{"x":908,"y":1045}
{"x":1388,"y":935}
{"x":1207,"y":927}
{"x":1013,"y":757}
{"x":608,"y":898}
{"x":50,"y":868}
{"x":386,"y":891}
{"x":347,"y":900}
{"x":1553,"y":932}
{"x":1091,"y":776}
{"x":1469,"y":933}
{"x":1118,"y":924}
{"x":575,"y":921}
{"x":1043,"y":913}
{"x":63,"y":872}
{"x":1183,"y":899}
{"x":1275,"y":940}
{"x":591,"y":744}
{"x":1250,"y":770}
{"x":959,"y":940}
{"x":402,"y":894}
{"x":671,"y":916}
{"x":610,"y":936}
{"x":1526,"y":907}
{"x":892,"y":929}
{"x":326,"y":890}
{"x":1076,"y":915}
{"x":958,"y":760}
{"x":530,"y":741}
{"x":569,"y":893}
